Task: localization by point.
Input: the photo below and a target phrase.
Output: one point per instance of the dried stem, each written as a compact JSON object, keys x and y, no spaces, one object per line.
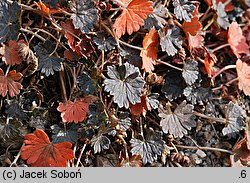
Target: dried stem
{"x":205,"y":15}
{"x":7,"y":71}
{"x":170,"y":65}
{"x":131,"y":46}
{"x":80,"y":156}
{"x":33,"y":33}
{"x":61,"y":74}
{"x":222,"y":70}
{"x":227,"y":84}
{"x":17,"y":157}
{"x":220,"y":47}
{"x":219,"y":120}
{"x":125,"y":145}
{"x":208,"y":25}
{"x":205,"y":148}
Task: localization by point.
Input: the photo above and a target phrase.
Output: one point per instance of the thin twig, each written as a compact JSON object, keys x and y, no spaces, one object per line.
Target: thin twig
{"x":17,"y":157}
{"x":80,"y":156}
{"x":125,"y":145}
{"x":219,"y":120}
{"x":7,"y":71}
{"x":220,"y":47}
{"x":205,"y":148}
{"x":61,"y":74}
{"x":205,"y":15}
{"x":208,"y":25}
{"x":168,"y":64}
{"x":227,"y":84}
{"x":131,"y":46}
{"x":222,"y":70}
{"x":33,"y":33}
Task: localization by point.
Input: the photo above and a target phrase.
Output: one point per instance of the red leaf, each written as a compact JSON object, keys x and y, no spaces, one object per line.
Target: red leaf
{"x":236,"y":40}
{"x":133,"y":16}
{"x":75,"y":111}
{"x":69,"y":32}
{"x":150,"y":49}
{"x":242,"y":152}
{"x":138,"y":108}
{"x":195,"y":42}
{"x":10,"y":53}
{"x":79,"y":43}
{"x":243,"y":72}
{"x":71,"y":56}
{"x":194,"y":25}
{"x":8,"y":83}
{"x":40,"y":152}
{"x":209,"y":62}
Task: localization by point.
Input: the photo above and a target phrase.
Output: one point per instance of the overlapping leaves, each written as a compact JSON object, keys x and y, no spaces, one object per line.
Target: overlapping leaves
{"x":104,"y":43}
{"x":86,"y":83}
{"x":69,"y":135}
{"x":150,"y":149}
{"x":10,"y":53}
{"x":9,"y":25}
{"x":236,"y":40}
{"x":158,"y":17}
{"x":170,"y":39}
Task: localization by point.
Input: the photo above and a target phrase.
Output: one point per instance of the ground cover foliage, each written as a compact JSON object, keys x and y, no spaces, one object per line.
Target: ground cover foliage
{"x":124,"y":83}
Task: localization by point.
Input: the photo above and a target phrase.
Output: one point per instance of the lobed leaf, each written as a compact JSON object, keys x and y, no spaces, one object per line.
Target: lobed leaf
{"x":40,"y":152}
{"x":149,"y":51}
{"x":84,"y":14}
{"x":9,"y":25}
{"x":178,"y":122}
{"x":75,"y":111}
{"x":132,"y":17}
{"x":125,"y":84}
{"x":9,"y":84}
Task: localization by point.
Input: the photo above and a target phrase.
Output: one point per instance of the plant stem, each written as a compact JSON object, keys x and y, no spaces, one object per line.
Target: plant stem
{"x":205,"y":148}
{"x":131,"y":46}
{"x":205,"y":15}
{"x":80,"y":156}
{"x":222,"y":70}
{"x":33,"y":33}
{"x":165,"y":63}
{"x":17,"y":157}
{"x":7,"y":71}
{"x":61,"y":74}
{"x":125,"y":145}
{"x":208,"y":25}
{"x":227,"y":84}
{"x":220,"y":120}
{"x":220,"y":47}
